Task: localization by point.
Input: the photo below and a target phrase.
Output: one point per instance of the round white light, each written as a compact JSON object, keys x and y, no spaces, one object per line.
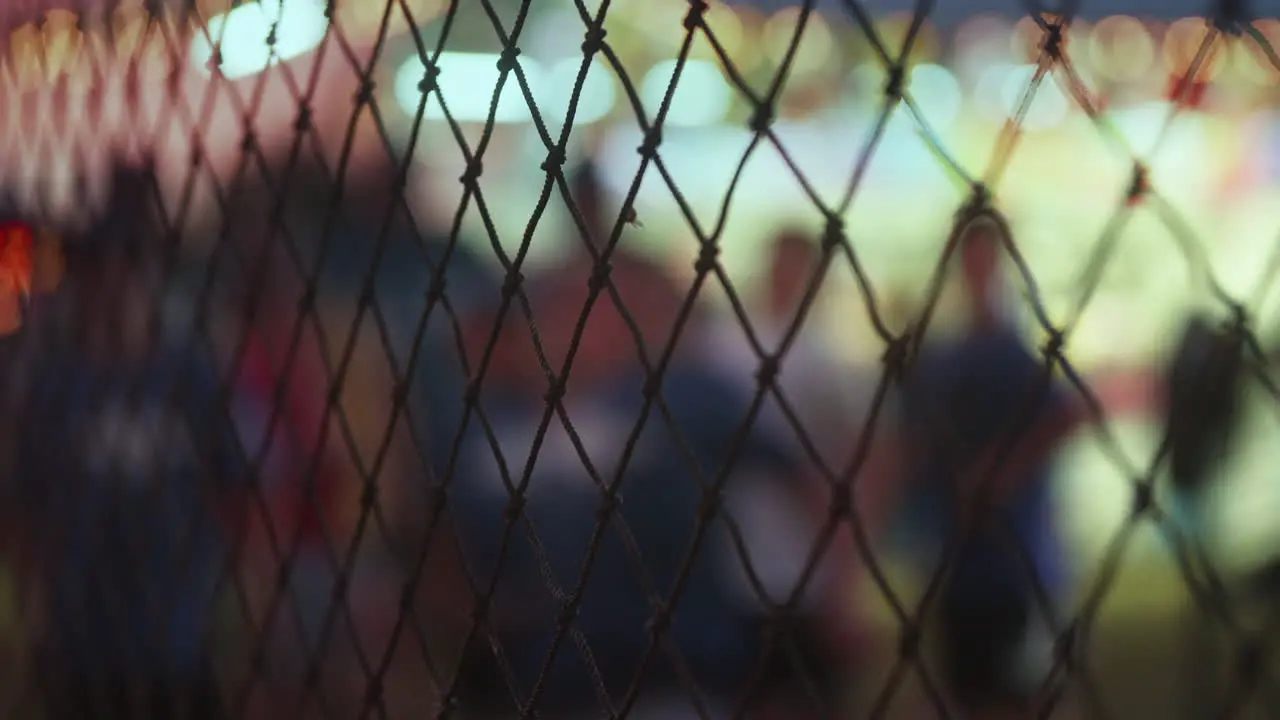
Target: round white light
{"x":468,"y":82}
{"x":299,"y":26}
{"x":1140,"y":125}
{"x":1000,"y":90}
{"x":933,"y":89}
{"x":702,"y":97}
{"x":594,"y":102}
{"x":936,"y":93}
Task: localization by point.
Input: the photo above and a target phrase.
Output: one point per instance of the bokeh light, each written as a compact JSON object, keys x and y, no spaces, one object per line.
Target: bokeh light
{"x":468,"y":82}
{"x":63,"y":42}
{"x":1251,"y":60}
{"x":299,"y":26}
{"x":361,"y":21}
{"x":702,"y":97}
{"x":1182,"y":43}
{"x":816,"y":50}
{"x":661,"y":25}
{"x":1140,"y":125}
{"x":1028,"y":37}
{"x":596,"y":100}
{"x":1000,"y":92}
{"x":933,"y":88}
{"x":893,"y":32}
{"x":983,"y":35}
{"x":1121,"y":49}
{"x":936,"y":93}
{"x":747,"y":56}
{"x":723,"y":23}
{"x":979,"y":43}
{"x":1026,"y":40}
{"x":135,"y":36}
{"x":967,"y":99}
{"x":1264,"y":69}
{"x":24,"y":51}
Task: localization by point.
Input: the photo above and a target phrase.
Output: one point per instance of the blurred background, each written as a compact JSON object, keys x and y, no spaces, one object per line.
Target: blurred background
{"x":74,"y":103}
{"x":1063,"y":184}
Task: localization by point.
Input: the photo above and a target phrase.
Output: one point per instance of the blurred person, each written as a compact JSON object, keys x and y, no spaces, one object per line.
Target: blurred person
{"x":825,"y":396}
{"x":778,"y":511}
{"x":658,"y":499}
{"x":791,"y":264}
{"x":969,"y":402}
{"x":12,"y":601}
{"x":20,"y":268}
{"x":1203,"y":393}
{"x":384,"y":269}
{"x":126,"y":466}
{"x":1203,"y":383}
{"x":31,"y":262}
{"x":512,"y":384}
{"x":311,"y":472}
{"x":454,"y":339}
{"x":588,"y":194}
{"x":380,"y":305}
{"x":782,"y":515}
{"x":282,"y":415}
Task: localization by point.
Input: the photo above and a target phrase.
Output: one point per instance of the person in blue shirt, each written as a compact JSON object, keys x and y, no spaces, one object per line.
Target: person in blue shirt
{"x":967,"y":402}
{"x":659,"y":499}
{"x":1203,"y":388}
{"x":1204,"y":384}
{"x":125,"y":462}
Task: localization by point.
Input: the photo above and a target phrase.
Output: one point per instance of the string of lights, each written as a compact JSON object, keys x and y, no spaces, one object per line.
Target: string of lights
{"x":1118,"y":49}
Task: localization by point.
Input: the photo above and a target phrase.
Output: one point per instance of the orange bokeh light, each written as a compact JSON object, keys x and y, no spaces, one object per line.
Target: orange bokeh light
{"x":27,"y":262}
{"x":981,"y":32}
{"x":893,"y":32}
{"x":1183,"y":42}
{"x":751,"y":28}
{"x":815,"y":50}
{"x":364,"y":19}
{"x":1120,"y":48}
{"x":1252,"y":61}
{"x":722,"y":22}
{"x":1028,"y":37}
{"x":16,"y":258}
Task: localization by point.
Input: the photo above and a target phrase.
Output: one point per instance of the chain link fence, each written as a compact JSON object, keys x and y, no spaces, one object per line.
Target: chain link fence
{"x":276,"y":445}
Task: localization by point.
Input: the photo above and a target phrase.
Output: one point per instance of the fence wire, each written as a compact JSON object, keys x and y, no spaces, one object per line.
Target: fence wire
{"x":335,"y":357}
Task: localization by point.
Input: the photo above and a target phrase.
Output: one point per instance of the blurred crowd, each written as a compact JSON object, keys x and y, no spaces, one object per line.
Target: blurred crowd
{"x":342,"y":466}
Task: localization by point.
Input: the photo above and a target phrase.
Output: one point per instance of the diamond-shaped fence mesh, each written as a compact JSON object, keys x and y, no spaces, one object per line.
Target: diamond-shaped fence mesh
{"x":657,"y":359}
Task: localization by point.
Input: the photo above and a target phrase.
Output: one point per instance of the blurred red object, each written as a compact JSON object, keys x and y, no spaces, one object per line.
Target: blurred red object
{"x":1186,"y":92}
{"x":17,"y":262}
{"x":1128,"y":391}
